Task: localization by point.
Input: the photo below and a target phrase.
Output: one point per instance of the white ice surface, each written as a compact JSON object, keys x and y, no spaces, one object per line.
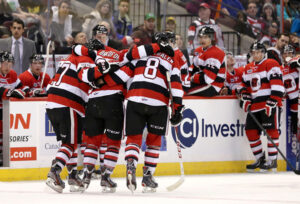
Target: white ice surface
{"x":219,"y":188}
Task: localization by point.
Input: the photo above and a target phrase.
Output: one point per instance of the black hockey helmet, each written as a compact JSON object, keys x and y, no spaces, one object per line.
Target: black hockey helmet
{"x":100,"y":29}
{"x":37,"y":58}
{"x":258,"y":46}
{"x":206,"y":30}
{"x":171,"y":36}
{"x":289,"y":49}
{"x":160,"y":37}
{"x":6,"y":56}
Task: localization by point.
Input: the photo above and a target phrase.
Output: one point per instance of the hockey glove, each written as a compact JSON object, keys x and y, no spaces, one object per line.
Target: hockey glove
{"x":166,"y":48}
{"x":270,"y":105}
{"x":92,"y":54}
{"x":245,"y":101}
{"x":294,"y":62}
{"x":177,"y":116}
{"x":16,"y":93}
{"x":39,"y":92}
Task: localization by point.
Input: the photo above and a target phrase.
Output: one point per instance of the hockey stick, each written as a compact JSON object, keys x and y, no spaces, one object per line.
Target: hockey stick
{"x":271,"y":140}
{"x":181,"y":180}
{"x":47,"y":61}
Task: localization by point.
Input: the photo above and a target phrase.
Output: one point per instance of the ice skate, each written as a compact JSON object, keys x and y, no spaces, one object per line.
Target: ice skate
{"x":53,"y":179}
{"x":87,"y":175}
{"x":257,"y":164}
{"x":270,"y":165}
{"x":108,"y":186}
{"x":130,"y":175}
{"x":76,"y":184}
{"x":148,"y":182}
{"x":97,"y":173}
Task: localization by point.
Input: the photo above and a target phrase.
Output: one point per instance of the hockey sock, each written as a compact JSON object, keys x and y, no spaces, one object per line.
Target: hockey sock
{"x":132,"y":149}
{"x":90,"y":155}
{"x":72,"y":163}
{"x":255,"y":143}
{"x":102,"y":150}
{"x":64,"y":154}
{"x":151,"y":158}
{"x":111,"y":155}
{"x":272,"y":151}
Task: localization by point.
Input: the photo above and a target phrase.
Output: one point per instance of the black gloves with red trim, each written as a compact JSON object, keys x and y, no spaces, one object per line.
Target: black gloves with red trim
{"x":177,"y":116}
{"x":270,"y":105}
{"x":245,"y":101}
{"x":16,"y":93}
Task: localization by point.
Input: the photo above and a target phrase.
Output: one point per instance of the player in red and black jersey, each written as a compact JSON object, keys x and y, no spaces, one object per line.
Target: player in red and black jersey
{"x":147,"y":96}
{"x":261,"y":93}
{"x":291,"y":84}
{"x":9,"y":87}
{"x":32,"y":78}
{"x":208,"y":73}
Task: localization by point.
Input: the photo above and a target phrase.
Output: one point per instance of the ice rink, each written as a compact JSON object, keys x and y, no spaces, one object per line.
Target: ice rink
{"x":283,"y":187}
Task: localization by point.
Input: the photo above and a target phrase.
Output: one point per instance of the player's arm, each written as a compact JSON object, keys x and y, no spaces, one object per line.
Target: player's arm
{"x":120,"y":76}
{"x":274,"y":75}
{"x":176,"y":86}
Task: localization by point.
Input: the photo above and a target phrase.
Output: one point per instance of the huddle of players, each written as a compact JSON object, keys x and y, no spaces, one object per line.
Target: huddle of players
{"x":87,"y":95}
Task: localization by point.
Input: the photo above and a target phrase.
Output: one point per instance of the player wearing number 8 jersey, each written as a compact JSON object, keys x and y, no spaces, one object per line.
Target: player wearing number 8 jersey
{"x":261,"y":93}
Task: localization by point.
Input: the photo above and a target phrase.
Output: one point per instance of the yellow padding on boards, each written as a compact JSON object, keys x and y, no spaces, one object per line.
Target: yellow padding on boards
{"x":163,"y":169}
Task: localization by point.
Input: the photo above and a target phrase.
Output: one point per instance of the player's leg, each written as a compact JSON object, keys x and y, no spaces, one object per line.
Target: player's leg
{"x":134,"y":126}
{"x":156,"y":125}
{"x":253,"y":135}
{"x":113,"y":130}
{"x":271,"y":124}
{"x":65,"y":122}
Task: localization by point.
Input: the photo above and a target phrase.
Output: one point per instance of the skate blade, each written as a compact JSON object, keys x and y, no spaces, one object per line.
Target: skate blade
{"x":74,"y":189}
{"x":148,"y":190}
{"x":86,"y":185}
{"x":106,"y":189}
{"x":51,"y":183}
{"x":273,"y":170}
{"x":130,"y":186}
{"x":253,"y":170}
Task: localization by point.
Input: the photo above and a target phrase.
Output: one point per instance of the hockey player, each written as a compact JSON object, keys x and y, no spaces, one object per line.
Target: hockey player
{"x":181,"y":61}
{"x":291,"y":83}
{"x":9,"y":87}
{"x":147,"y":105}
{"x":33,"y":77}
{"x":233,"y":76}
{"x":65,"y":107}
{"x":208,"y":74}
{"x":261,"y":93}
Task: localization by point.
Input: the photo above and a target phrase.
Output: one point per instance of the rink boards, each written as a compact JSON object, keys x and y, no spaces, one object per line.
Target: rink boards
{"x":211,"y":133}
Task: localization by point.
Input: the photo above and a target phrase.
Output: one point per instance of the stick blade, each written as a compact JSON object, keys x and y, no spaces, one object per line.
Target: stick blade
{"x":176,"y":185}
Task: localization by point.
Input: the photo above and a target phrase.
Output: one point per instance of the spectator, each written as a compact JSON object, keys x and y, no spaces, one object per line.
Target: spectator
{"x":295,"y":28}
{"x":122,"y":22}
{"x":33,"y":77}
{"x":276,"y":51}
{"x":103,"y":11}
{"x":203,"y":20}
{"x":62,"y":24}
{"x":270,"y":39}
{"x":171,"y":24}
{"x":268,"y":15}
{"x":33,"y":6}
{"x":231,"y":7}
{"x":18,"y":12}
{"x":143,"y":34}
{"x":233,"y":76}
{"x":4,"y":32}
{"x":194,"y":5}
{"x":5,"y":12}
{"x":295,"y":41}
{"x":255,"y":23}
{"x":288,"y":13}
{"x":21,"y":47}
{"x":179,"y":43}
{"x":242,"y":26}
{"x":39,"y":34}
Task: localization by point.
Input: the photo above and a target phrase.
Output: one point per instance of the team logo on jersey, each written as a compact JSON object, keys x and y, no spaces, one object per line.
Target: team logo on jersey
{"x":188,"y":129}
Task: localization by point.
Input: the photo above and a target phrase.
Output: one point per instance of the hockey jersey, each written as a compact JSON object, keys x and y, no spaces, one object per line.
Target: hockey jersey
{"x":273,"y":53}
{"x":184,"y":69}
{"x":65,"y":89}
{"x":234,"y":79}
{"x":193,"y":31}
{"x":28,"y":79}
{"x":290,"y":81}
{"x":263,"y":81}
{"x":148,"y":80}
{"x":208,"y":69}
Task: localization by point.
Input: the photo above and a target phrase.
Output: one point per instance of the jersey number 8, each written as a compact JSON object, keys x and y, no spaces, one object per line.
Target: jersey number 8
{"x":151,"y":68}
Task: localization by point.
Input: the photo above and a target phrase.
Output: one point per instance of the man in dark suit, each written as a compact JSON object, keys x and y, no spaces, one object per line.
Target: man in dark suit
{"x":21,"y":47}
